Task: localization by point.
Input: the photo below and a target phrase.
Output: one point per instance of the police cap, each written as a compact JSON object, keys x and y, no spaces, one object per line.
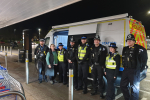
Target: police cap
{"x":60,"y":44}
{"x":130,"y":37}
{"x":84,"y":37}
{"x":72,"y":39}
{"x":97,"y":37}
{"x":42,"y":40}
{"x":113,"y":45}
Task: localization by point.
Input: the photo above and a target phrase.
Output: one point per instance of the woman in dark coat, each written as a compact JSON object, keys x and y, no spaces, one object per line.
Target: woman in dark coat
{"x":52,"y":62}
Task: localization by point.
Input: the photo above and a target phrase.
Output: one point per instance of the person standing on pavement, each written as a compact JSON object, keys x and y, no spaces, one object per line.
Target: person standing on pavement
{"x":134,"y":59}
{"x":97,"y":62}
{"x":40,"y":52}
{"x":112,"y":70}
{"x":62,"y":63}
{"x":52,"y":63}
{"x":72,"y":62}
{"x":82,"y":57}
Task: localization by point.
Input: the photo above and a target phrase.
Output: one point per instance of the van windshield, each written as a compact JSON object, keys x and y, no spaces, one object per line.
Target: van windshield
{"x":47,"y":39}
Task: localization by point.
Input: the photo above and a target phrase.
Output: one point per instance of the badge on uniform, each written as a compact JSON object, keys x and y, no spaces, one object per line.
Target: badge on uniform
{"x":100,"y":49}
{"x":128,"y":58}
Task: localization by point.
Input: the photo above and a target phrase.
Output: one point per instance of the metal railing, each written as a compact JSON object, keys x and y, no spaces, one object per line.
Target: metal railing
{"x":13,"y":93}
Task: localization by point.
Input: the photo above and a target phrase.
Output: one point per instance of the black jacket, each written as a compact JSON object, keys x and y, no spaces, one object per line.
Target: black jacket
{"x":87,"y":55}
{"x":98,"y":55}
{"x":71,"y":53}
{"x":37,"y":50}
{"x":114,"y":71}
{"x":134,"y":57}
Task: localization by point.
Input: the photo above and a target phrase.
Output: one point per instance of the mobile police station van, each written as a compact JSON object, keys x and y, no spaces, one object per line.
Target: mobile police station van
{"x":110,"y":29}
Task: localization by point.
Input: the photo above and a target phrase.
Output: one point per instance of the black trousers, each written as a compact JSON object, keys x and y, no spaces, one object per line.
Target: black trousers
{"x":62,"y":72}
{"x":110,"y":92}
{"x":131,"y":76}
{"x":83,"y":69}
{"x":97,"y":73}
{"x":75,"y":78}
{"x":56,"y":69}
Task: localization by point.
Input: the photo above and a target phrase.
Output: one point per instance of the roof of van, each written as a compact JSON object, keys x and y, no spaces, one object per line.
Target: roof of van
{"x":92,"y":21}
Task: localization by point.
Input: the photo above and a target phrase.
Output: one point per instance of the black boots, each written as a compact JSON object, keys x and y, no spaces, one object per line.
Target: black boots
{"x":84,"y":91}
{"x":102,"y":96}
{"x":94,"y":93}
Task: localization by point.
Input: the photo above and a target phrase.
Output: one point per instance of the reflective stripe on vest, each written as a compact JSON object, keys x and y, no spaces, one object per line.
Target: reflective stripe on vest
{"x":81,"y":52}
{"x":61,"y":56}
{"x":110,"y":62}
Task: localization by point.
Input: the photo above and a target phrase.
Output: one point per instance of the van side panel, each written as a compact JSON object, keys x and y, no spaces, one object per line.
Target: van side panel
{"x":138,"y":30}
{"x":112,"y":31}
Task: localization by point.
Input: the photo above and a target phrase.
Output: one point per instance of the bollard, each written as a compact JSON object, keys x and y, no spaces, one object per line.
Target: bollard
{"x":27,"y":71}
{"x":4,"y":49}
{"x":18,"y":55}
{"x":6,"y":60}
{"x":70,"y":84}
{"x":10,"y":50}
{"x":1,"y":49}
{"x":7,"y":49}
{"x":26,"y":53}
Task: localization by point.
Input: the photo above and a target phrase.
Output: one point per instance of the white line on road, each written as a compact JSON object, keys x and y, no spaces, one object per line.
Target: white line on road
{"x":118,"y":96}
{"x":145,"y":91}
{"x":146,"y":80}
{"x":144,"y":99}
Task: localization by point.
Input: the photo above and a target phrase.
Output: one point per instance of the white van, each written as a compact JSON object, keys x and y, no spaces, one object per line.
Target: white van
{"x":110,"y":29}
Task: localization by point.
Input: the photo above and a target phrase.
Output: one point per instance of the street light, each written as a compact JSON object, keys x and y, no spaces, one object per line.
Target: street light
{"x":148,"y":12}
{"x":39,"y":32}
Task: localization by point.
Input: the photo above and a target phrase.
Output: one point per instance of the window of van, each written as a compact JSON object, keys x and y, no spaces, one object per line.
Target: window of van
{"x":47,"y":39}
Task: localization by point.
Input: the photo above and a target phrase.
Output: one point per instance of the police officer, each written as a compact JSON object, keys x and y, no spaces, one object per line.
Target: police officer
{"x":97,"y":60}
{"x":82,"y":56}
{"x":72,"y":62}
{"x":40,"y":52}
{"x":134,"y":59}
{"x":62,"y":63}
{"x":112,"y":69}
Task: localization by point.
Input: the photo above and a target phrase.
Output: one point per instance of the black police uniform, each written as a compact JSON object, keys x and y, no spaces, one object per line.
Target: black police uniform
{"x":83,"y":68}
{"x":111,"y":73}
{"x":71,"y":51}
{"x":62,"y":67}
{"x":41,"y":60}
{"x":98,"y":58}
{"x":134,"y":60}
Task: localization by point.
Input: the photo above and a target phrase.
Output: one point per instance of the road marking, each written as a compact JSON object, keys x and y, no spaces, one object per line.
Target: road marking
{"x":146,"y":80}
{"x":118,"y":96}
{"x":145,"y":91}
{"x":144,"y":99}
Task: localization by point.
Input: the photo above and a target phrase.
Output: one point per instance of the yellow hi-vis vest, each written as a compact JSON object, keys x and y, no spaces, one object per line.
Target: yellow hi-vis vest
{"x":81,"y":52}
{"x":61,"y":56}
{"x":110,"y":62}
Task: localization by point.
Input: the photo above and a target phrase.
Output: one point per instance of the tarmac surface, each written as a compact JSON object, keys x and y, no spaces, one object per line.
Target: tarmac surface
{"x":58,"y":91}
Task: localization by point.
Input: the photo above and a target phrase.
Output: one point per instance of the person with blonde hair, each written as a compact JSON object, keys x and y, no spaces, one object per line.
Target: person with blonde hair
{"x":52,"y":62}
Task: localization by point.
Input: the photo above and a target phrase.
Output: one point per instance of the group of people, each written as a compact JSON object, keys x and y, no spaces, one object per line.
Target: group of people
{"x":79,"y":58}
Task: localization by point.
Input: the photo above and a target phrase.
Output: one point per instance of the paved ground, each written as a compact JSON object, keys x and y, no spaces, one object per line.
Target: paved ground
{"x":46,"y":91}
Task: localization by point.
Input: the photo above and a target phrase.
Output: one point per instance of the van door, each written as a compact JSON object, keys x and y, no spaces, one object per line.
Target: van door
{"x":61,"y":36}
{"x":90,"y":39}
